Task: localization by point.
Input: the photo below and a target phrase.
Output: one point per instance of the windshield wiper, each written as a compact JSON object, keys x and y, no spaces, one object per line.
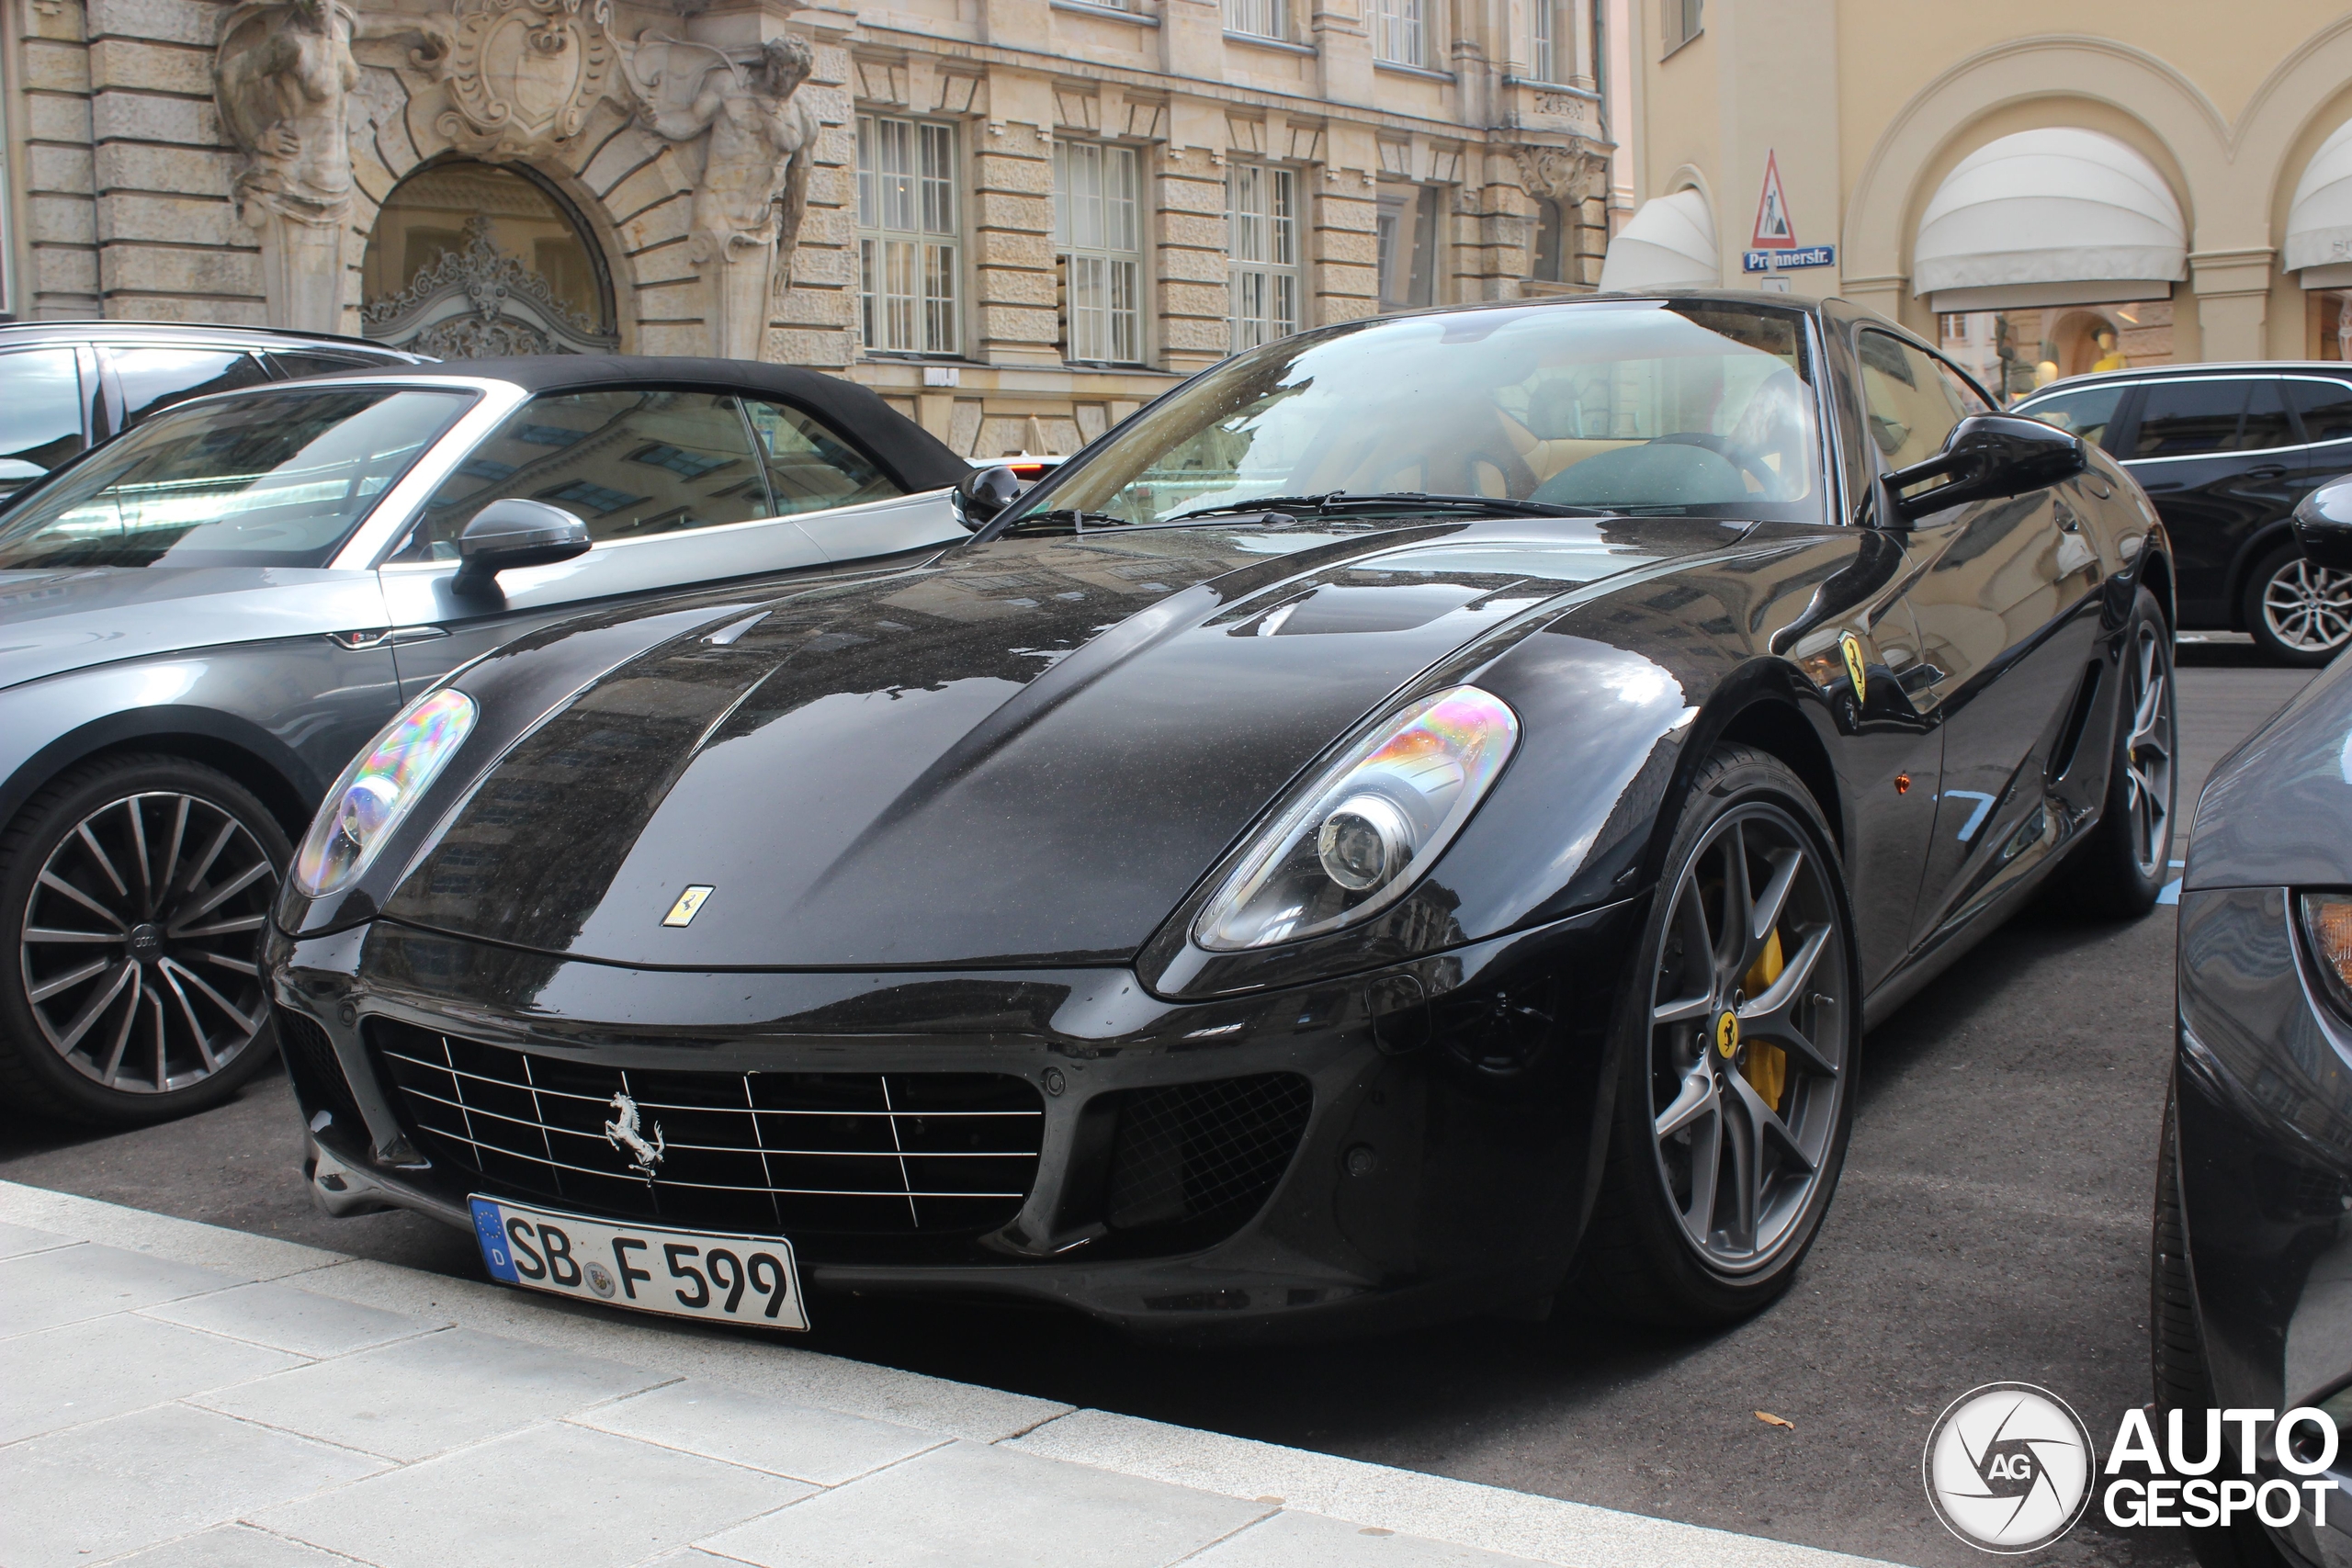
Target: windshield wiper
{"x":1342,"y":501}
{"x":1071,"y":518}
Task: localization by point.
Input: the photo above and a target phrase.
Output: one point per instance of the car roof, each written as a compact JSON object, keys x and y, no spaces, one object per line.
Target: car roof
{"x":194,"y":333}
{"x":917,"y":455}
{"x":2335,"y":369}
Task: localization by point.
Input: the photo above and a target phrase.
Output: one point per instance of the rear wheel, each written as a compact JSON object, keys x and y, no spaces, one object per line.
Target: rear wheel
{"x":1736,"y":1044}
{"x":2299,"y":613}
{"x":134,"y":897}
{"x":2123,"y":862}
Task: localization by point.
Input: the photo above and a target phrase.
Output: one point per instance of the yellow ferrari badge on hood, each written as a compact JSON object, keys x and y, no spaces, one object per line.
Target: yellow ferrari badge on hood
{"x":689,"y":903}
{"x":1855,"y":670}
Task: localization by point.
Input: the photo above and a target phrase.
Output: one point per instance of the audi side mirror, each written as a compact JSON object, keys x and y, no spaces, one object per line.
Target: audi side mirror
{"x":1987,"y":456}
{"x":2323,"y":524}
{"x":511,"y":533}
{"x":984,"y":492}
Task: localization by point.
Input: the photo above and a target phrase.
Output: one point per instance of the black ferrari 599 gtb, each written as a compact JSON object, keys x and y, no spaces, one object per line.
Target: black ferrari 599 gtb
{"x":1414,"y":823}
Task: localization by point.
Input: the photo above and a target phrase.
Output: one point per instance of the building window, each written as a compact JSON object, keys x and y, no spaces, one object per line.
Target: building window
{"x":1400,"y":31}
{"x":1685,"y":19}
{"x":1098,"y":230}
{"x":1260,"y":18}
{"x":908,"y":266}
{"x":1406,"y":231}
{"x":1551,"y":244}
{"x":1262,"y":215}
{"x":1543,"y":50}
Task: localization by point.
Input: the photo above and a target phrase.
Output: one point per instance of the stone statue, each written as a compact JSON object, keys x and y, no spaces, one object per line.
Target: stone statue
{"x":283,"y":76}
{"x":754,"y":183}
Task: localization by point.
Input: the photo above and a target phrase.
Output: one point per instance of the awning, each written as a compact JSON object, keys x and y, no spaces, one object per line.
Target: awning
{"x":2053,"y":216}
{"x":2319,"y":225}
{"x":1670,"y":243}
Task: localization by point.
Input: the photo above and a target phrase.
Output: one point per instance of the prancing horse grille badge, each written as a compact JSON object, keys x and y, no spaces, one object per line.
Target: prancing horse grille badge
{"x":682,"y":912}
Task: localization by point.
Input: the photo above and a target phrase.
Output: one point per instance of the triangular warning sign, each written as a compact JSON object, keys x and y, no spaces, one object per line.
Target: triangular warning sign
{"x":1774,"y":230}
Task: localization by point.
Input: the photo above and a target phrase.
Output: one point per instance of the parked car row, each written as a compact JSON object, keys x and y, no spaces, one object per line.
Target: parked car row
{"x":1416,"y":821}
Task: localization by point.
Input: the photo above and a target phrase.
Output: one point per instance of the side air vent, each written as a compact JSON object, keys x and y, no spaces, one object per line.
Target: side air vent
{"x":317,"y":1073}
{"x":1192,"y":1162}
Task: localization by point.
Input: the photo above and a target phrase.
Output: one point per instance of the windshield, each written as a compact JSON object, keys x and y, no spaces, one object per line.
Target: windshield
{"x":1690,"y":408}
{"x":266,"y":478}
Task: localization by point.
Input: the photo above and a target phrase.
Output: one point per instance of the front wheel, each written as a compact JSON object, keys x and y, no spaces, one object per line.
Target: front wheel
{"x":1736,"y":1044}
{"x":2299,"y":613}
{"x":2126,"y":857}
{"x":134,"y":898}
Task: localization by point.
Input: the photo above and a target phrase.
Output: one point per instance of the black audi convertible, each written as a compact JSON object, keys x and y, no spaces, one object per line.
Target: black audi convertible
{"x":1415,"y":822}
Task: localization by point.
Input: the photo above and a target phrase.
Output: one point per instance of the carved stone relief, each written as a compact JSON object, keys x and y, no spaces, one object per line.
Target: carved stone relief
{"x":282,"y":76}
{"x":478,"y":302}
{"x":755,"y":140}
{"x":522,"y":75}
{"x":1568,"y":174}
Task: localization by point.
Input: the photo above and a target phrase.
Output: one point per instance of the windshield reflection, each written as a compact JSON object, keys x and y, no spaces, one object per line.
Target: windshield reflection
{"x":1695,"y":408}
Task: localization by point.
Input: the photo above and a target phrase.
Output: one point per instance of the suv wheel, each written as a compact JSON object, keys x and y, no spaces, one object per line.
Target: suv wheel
{"x":2299,"y":613}
{"x":134,"y":898}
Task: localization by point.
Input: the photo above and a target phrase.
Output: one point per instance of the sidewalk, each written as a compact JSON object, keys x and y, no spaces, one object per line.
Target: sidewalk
{"x":176,"y":1395}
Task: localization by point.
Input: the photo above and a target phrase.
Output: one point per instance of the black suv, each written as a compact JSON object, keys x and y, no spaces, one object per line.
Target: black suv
{"x":67,"y":386}
{"x":2225,"y":451}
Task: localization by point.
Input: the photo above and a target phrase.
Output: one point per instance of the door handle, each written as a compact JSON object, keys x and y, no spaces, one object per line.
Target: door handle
{"x":2162,"y":489}
{"x":2267,"y":471}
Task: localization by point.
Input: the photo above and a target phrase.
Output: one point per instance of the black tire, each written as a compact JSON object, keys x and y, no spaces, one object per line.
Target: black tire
{"x":2122,"y":863}
{"x":1643,"y":1256}
{"x":168,"y":1015}
{"x":2297,"y":614}
{"x":2177,"y":1354}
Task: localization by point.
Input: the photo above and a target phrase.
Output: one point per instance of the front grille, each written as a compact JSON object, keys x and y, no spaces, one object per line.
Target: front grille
{"x":315,"y":1069}
{"x":860,"y":1154}
{"x":1203,"y":1156}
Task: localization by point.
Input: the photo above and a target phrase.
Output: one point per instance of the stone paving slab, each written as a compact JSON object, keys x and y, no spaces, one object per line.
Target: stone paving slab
{"x":172,"y":1395}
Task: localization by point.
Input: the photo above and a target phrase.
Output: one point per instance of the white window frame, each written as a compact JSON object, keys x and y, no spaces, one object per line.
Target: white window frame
{"x":909,"y":251}
{"x":1543,"y":40}
{"x":1098,"y":241}
{"x":1265,"y":235}
{"x":1400,"y":32}
{"x":1258,"y":19}
{"x":1406,"y":225}
{"x":1681,"y":20}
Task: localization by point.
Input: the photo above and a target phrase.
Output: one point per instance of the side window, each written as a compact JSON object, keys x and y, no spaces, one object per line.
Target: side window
{"x":2181,"y":419}
{"x":296,"y":365}
{"x":2326,"y":408}
{"x":2268,"y":424}
{"x":629,"y":463}
{"x":154,"y":379}
{"x":2087,"y":414}
{"x":40,"y":413}
{"x":1912,"y":400}
{"x":809,"y":467}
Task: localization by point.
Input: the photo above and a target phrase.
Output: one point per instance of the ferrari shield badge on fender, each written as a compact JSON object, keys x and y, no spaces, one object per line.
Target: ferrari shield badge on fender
{"x":682,"y":912}
{"x":1855,"y":670}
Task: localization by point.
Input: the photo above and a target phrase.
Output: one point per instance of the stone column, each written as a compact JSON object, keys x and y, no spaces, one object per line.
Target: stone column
{"x":1189,"y":233}
{"x":59,"y":209}
{"x":1011,"y":226}
{"x":2232,"y":301}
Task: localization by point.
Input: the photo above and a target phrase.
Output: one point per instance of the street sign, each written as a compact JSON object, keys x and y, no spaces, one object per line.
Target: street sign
{"x":1788,"y":261}
{"x":1774,"y":231}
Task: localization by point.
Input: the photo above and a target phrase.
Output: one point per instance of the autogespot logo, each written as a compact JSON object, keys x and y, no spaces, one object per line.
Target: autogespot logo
{"x":2009,"y":1467}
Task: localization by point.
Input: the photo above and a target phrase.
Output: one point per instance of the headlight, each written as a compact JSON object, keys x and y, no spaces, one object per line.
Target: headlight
{"x":2327,"y":922}
{"x":1362,"y":834}
{"x":378,"y":789}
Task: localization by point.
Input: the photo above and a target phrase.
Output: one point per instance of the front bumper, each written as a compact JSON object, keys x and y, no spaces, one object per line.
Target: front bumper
{"x":1448,"y":1148}
{"x":2263,"y":1098}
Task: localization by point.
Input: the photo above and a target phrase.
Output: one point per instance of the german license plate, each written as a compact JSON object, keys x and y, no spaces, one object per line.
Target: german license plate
{"x":735,"y":1278}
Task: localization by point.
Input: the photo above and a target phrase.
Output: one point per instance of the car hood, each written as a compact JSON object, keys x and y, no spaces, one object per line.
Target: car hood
{"x":54,"y":621}
{"x":1025,"y":751}
{"x":2274,"y":812}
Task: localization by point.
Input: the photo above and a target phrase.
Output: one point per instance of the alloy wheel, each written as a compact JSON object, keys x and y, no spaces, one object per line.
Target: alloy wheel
{"x":1748,"y":1019}
{"x":2147,"y":750}
{"x":141,"y":945}
{"x":2308,"y":608}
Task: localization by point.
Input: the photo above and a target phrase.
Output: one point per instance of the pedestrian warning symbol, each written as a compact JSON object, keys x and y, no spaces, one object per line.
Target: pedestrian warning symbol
{"x":1774,"y":230}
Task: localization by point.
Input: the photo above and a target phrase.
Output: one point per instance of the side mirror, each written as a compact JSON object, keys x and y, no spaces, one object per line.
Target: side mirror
{"x":511,"y":533}
{"x":1988,"y":456}
{"x":984,"y":492}
{"x":2323,"y":525}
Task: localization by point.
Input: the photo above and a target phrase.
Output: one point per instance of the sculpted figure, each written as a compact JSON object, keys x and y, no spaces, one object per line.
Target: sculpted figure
{"x":283,"y":77}
{"x":754,"y":184}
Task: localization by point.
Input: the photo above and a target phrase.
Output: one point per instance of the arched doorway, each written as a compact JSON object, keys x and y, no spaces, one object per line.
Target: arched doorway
{"x":468,"y":259}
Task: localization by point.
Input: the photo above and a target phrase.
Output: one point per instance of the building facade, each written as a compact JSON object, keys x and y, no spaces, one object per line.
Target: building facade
{"x":1016,"y":219}
{"x":2050,"y":188}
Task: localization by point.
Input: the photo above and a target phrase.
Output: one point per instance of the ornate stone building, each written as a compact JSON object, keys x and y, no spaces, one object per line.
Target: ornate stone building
{"x":1017,"y":219}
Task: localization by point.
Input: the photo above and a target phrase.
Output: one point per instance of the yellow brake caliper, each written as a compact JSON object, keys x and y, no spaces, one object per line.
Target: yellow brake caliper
{"x":1767,"y":1067}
